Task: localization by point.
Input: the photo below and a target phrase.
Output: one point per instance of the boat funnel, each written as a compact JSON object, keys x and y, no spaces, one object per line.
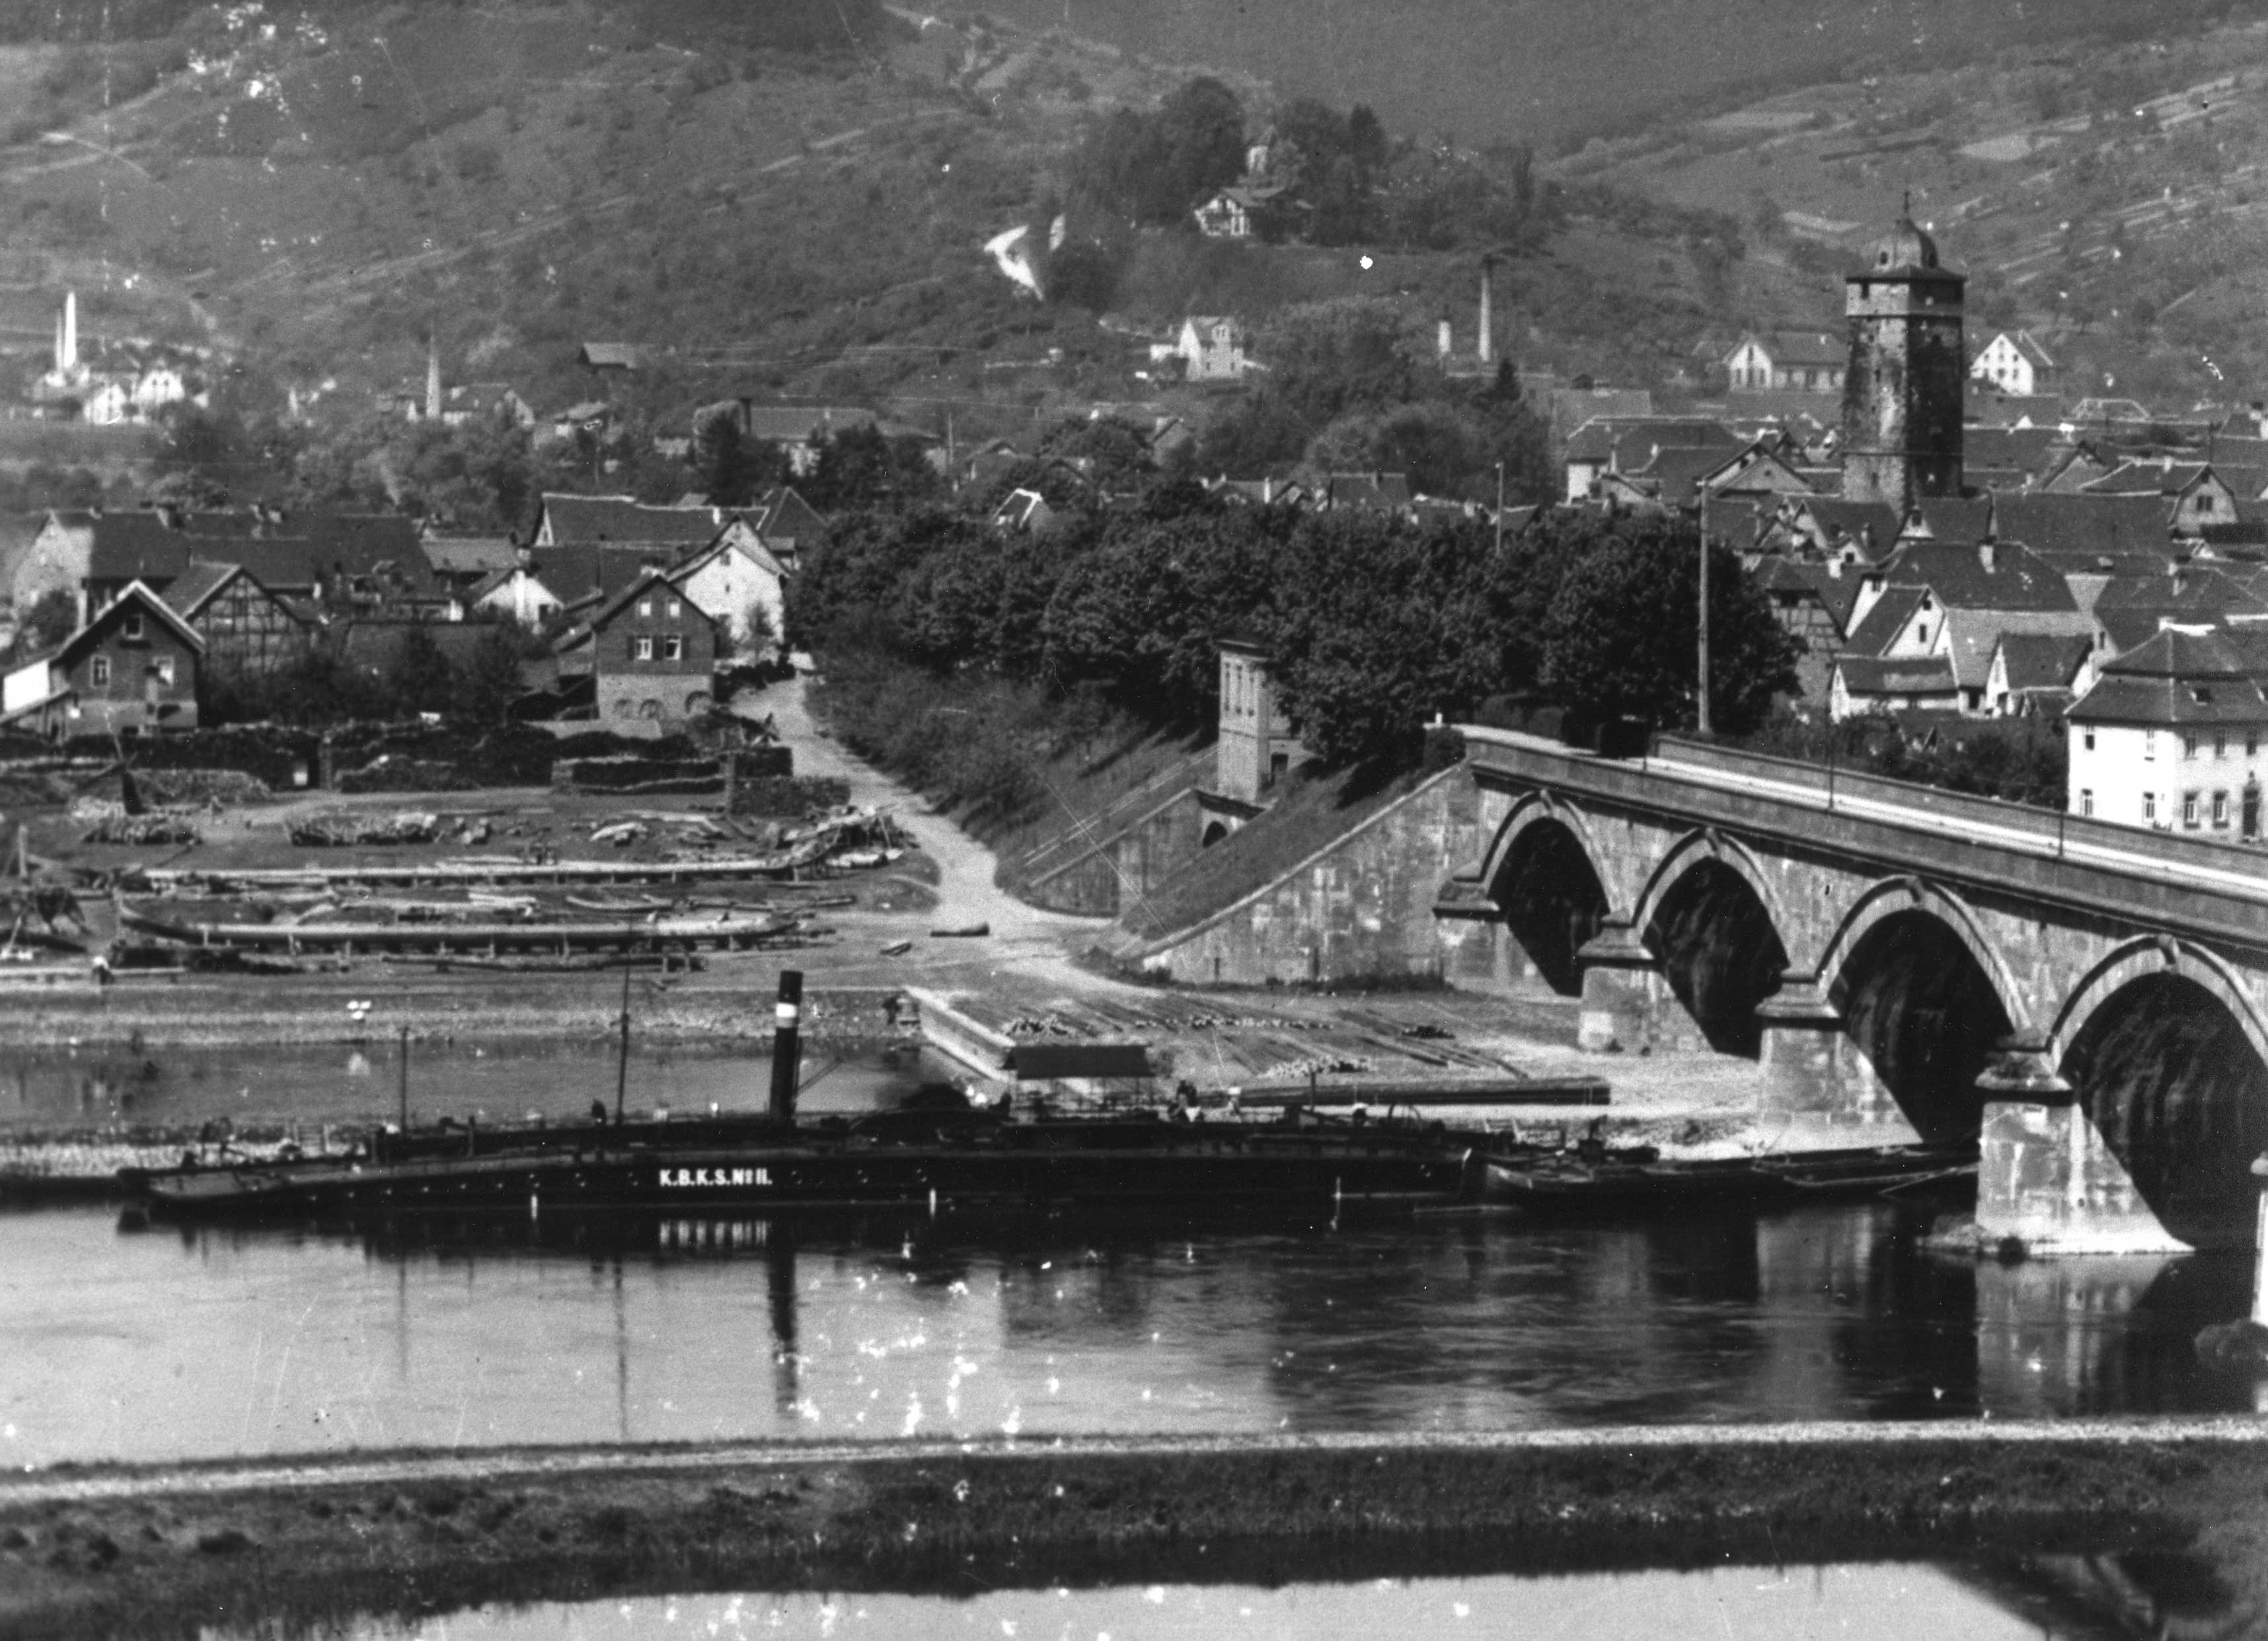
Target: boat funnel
{"x":787,"y":1044}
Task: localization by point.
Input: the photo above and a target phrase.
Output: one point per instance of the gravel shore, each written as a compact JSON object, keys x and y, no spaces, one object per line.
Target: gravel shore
{"x":300,"y":1547}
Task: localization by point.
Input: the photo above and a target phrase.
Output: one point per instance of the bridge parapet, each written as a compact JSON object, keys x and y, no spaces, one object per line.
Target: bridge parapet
{"x":1879,"y":829}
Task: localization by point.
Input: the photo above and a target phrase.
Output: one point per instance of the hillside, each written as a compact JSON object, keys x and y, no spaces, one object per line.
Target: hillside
{"x":317,"y":197}
{"x":2113,"y":200}
{"x":1545,"y":72}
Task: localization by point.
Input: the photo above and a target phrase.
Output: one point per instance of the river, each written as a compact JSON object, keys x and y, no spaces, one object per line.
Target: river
{"x":173,"y":1343}
{"x":186,"y":1344}
{"x":2037,"y":1599}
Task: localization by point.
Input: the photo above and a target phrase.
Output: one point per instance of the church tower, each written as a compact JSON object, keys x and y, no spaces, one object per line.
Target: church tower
{"x":1902,"y":395}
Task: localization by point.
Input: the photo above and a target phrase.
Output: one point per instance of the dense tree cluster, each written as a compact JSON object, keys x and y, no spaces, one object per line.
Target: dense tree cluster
{"x":1375,"y":623}
{"x":1343,"y":180}
{"x":1152,"y":168}
{"x":482,"y":476}
{"x":1342,"y":393}
{"x":415,"y":675}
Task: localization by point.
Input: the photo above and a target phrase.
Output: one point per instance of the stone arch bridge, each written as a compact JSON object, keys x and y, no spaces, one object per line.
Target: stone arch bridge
{"x":2092,"y":1000}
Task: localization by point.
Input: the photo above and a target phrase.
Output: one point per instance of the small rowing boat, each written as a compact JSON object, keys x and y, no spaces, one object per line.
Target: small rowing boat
{"x":1594,"y":1177}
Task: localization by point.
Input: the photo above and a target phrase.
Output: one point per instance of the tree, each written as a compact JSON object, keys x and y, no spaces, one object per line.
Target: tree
{"x":208,"y":446}
{"x":1620,"y":636}
{"x":490,"y":679}
{"x":419,"y":678}
{"x":1154,"y":168}
{"x":476,"y":475}
{"x":1438,"y":445}
{"x":1202,"y":127}
{"x":53,"y":617}
{"x":1324,"y":360}
{"x":1364,"y":643}
{"x":730,"y":467}
{"x":1085,"y":274}
{"x":862,"y":466}
{"x":1110,"y":450}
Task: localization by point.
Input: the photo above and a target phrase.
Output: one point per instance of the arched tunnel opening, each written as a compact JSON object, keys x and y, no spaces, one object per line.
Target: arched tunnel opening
{"x":2178,"y":1092}
{"x":1552,"y":902}
{"x":1719,"y":953}
{"x":1926,"y":1015}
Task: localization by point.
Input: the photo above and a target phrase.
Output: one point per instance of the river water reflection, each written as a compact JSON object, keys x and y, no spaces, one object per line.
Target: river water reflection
{"x":2032,"y":1602}
{"x":119,"y":1344}
{"x":316,"y":1083}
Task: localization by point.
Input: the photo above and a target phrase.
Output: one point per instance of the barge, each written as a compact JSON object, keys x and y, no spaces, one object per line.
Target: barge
{"x":939,"y":1152}
{"x":751,"y":1166}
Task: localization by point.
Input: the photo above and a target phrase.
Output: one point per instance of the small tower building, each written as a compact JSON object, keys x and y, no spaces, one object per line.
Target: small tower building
{"x":1257,"y":743}
{"x":1902,"y":394}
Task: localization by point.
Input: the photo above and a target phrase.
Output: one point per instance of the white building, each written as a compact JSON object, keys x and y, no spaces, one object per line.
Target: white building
{"x":159,"y":385}
{"x":1797,"y":362}
{"x":2016,"y":363}
{"x":1211,"y":349}
{"x":2169,"y":736}
{"x":738,"y":582}
{"x":520,"y":594}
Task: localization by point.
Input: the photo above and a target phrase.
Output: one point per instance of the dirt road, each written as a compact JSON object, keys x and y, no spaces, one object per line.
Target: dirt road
{"x":1029,"y":938}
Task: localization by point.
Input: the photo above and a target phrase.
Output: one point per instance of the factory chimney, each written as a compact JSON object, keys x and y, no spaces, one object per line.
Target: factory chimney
{"x":432,"y":378}
{"x":69,"y":361}
{"x":1487,"y":348}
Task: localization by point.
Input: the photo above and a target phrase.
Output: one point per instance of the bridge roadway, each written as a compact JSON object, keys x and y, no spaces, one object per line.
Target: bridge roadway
{"x":2246,"y":881}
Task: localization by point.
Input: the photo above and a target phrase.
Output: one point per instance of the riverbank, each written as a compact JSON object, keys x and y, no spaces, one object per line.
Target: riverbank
{"x":293,"y":1546}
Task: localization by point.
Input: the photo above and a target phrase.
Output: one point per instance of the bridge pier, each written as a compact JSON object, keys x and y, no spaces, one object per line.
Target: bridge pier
{"x":1813,"y":1071}
{"x":1623,"y":993}
{"x":2045,"y":1177}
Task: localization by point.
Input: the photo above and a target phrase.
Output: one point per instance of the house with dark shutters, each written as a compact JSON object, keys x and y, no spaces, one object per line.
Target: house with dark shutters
{"x":651,"y":652}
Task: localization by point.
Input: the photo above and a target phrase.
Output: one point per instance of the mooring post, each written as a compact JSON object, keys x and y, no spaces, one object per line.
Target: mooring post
{"x":787,"y":1017}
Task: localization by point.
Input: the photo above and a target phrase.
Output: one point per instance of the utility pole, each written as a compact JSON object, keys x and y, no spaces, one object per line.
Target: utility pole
{"x":405,"y":1079}
{"x":1701,"y":713}
{"x":1499,"y":507}
{"x":623,"y":1055}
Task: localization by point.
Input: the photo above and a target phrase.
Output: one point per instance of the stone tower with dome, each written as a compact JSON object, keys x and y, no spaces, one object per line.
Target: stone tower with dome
{"x":1902,"y":394}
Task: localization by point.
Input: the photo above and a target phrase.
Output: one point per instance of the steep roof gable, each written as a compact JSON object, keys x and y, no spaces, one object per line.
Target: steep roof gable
{"x":2041,"y":660}
{"x":2053,"y":522}
{"x":134,"y":598}
{"x":576,"y":519}
{"x":1882,"y":624}
{"x":2018,"y":579}
{"x":652,"y":576}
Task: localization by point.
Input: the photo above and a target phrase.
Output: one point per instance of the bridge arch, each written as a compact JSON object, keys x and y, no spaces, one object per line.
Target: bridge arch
{"x":1706,"y":844}
{"x":1538,"y":808}
{"x":1925,"y":997}
{"x":2160,"y":954}
{"x":1894,"y":896}
{"x":1543,"y":874}
{"x":2168,"y":1054}
{"x":1713,"y":917}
